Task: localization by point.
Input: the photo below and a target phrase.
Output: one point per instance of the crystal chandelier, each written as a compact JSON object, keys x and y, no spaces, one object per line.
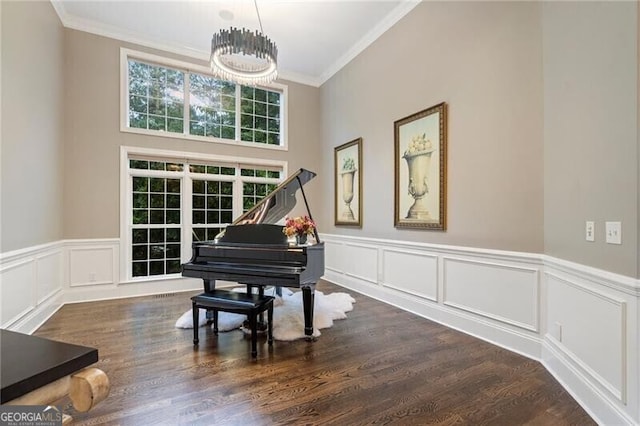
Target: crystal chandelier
{"x":244,"y":56}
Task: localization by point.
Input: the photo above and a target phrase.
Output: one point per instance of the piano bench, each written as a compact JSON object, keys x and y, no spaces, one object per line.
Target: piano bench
{"x":250,"y":305}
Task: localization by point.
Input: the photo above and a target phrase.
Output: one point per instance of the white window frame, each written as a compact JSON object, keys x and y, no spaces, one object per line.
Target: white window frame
{"x":126,"y":54}
{"x":126,"y":208}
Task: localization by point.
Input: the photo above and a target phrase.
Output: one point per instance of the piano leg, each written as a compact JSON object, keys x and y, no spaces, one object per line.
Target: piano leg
{"x":209,"y":285}
{"x":308,"y":296}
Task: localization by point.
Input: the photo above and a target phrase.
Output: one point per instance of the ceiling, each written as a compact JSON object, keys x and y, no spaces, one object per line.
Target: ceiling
{"x":315,"y":38}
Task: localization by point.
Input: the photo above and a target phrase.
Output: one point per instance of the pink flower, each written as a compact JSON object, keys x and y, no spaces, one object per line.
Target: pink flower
{"x":298,"y":226}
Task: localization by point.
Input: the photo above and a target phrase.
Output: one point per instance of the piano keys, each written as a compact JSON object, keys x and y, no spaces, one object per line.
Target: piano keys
{"x":254,"y":251}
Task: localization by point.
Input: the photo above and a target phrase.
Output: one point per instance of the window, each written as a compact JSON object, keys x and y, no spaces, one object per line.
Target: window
{"x":170,"y":202}
{"x":176,"y":99}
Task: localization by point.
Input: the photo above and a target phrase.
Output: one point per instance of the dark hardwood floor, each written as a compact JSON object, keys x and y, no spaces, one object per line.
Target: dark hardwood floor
{"x":380,"y":366}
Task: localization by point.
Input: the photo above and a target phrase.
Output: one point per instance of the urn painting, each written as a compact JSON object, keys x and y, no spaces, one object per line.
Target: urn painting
{"x":348,"y":183}
{"x":420,"y":169}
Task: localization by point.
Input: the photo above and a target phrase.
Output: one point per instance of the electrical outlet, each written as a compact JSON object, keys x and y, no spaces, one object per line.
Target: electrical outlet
{"x":92,"y":277}
{"x":613,"y":230}
{"x":590,"y":231}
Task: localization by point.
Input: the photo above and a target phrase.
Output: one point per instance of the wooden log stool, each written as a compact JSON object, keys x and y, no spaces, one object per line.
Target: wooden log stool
{"x":247,"y":304}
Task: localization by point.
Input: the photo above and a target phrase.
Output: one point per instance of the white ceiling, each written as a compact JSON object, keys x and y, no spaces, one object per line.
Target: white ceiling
{"x":315,"y":38}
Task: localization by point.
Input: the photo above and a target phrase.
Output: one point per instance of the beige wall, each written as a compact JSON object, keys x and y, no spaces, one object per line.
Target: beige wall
{"x":32,"y":124}
{"x":484,"y":60}
{"x":591,"y":131}
{"x":92,"y":149}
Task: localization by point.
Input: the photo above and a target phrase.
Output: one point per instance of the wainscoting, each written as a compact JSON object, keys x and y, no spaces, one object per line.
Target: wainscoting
{"x":37,"y":281}
{"x":581,"y":323}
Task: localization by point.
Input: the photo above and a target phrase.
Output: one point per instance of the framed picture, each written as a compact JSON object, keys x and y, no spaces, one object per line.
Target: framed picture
{"x":348,"y":183}
{"x":421,"y":169}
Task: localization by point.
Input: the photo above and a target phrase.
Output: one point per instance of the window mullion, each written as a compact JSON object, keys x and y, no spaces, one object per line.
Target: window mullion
{"x":186,"y":104}
{"x":187,"y":216}
{"x":238,"y":112}
{"x":237,"y":193}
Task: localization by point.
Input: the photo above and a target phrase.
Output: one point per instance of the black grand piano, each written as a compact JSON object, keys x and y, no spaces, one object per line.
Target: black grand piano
{"x":254,"y":251}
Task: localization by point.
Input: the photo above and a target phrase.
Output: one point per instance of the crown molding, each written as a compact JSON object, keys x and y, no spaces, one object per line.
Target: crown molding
{"x":112,"y":32}
{"x":390,"y":20}
{"x":89,"y":26}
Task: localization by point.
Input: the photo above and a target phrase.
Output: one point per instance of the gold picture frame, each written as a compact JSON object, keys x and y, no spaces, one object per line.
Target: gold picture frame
{"x":348,"y":183}
{"x":421,"y":169}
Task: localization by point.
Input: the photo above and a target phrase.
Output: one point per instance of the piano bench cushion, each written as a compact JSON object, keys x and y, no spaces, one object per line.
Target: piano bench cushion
{"x":232,"y":301}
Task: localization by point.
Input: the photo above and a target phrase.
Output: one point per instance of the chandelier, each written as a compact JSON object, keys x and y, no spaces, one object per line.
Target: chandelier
{"x":244,"y":56}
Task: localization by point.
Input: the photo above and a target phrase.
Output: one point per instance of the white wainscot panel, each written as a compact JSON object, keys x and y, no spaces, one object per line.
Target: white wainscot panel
{"x":590,"y":327}
{"x":91,"y":266}
{"x":49,"y":275}
{"x":17,"y":282}
{"x":411,"y":272}
{"x":333,"y":255}
{"x":361,"y":262}
{"x":498,"y":291}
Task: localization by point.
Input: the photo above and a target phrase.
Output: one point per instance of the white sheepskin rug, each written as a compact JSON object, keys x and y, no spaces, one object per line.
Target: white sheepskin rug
{"x":288,"y":315}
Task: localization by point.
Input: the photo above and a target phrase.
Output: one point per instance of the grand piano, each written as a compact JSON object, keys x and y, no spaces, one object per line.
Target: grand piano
{"x":254,"y":251}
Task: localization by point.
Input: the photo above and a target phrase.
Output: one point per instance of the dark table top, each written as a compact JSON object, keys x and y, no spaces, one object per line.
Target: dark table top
{"x":30,"y":362}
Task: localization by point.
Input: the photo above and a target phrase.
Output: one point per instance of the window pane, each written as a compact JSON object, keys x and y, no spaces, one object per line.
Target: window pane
{"x":138,"y":121}
{"x":274,"y":98}
{"x":157,"y":200}
{"x":139,"y":269}
{"x":260,"y":95}
{"x":156,"y":268}
{"x":211,"y":102}
{"x":157,"y":235}
{"x":273,"y":125}
{"x":198,"y":216}
{"x":140,"y":201}
{"x":140,"y":216}
{"x":196,"y":128}
{"x":199,"y":234}
{"x":273,"y":138}
{"x":140,"y":236}
{"x":157,"y":185}
{"x":140,"y":252}
{"x":155,"y":93}
{"x":173,"y":216}
{"x":173,"y":235}
{"x":173,"y":186}
{"x":175,"y":125}
{"x":226,"y":217}
{"x":156,"y":251}
{"x":228,"y":132}
{"x":246,"y":92}
{"x":260,"y":123}
{"x":156,"y":217}
{"x":173,"y":267}
{"x":260,"y":108}
{"x":173,"y":201}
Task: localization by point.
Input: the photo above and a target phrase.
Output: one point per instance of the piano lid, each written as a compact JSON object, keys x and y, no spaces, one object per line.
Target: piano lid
{"x":279,"y":203}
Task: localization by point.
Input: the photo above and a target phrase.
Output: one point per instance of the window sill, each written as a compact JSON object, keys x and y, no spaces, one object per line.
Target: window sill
{"x":182,"y":136}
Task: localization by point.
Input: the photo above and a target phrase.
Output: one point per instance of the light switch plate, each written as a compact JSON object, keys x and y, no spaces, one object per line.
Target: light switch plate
{"x":590,"y":231}
{"x":613,"y":231}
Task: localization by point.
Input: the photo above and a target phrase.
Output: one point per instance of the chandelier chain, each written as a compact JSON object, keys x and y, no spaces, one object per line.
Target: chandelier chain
{"x":255,"y":2}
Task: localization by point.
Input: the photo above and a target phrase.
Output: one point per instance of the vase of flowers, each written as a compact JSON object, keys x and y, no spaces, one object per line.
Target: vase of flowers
{"x":299,"y":227}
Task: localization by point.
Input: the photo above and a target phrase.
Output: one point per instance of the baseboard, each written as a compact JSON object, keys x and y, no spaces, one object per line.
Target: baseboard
{"x":581,"y":387}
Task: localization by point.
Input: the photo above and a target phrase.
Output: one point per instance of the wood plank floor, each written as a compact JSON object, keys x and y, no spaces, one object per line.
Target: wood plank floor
{"x":379,"y":366}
